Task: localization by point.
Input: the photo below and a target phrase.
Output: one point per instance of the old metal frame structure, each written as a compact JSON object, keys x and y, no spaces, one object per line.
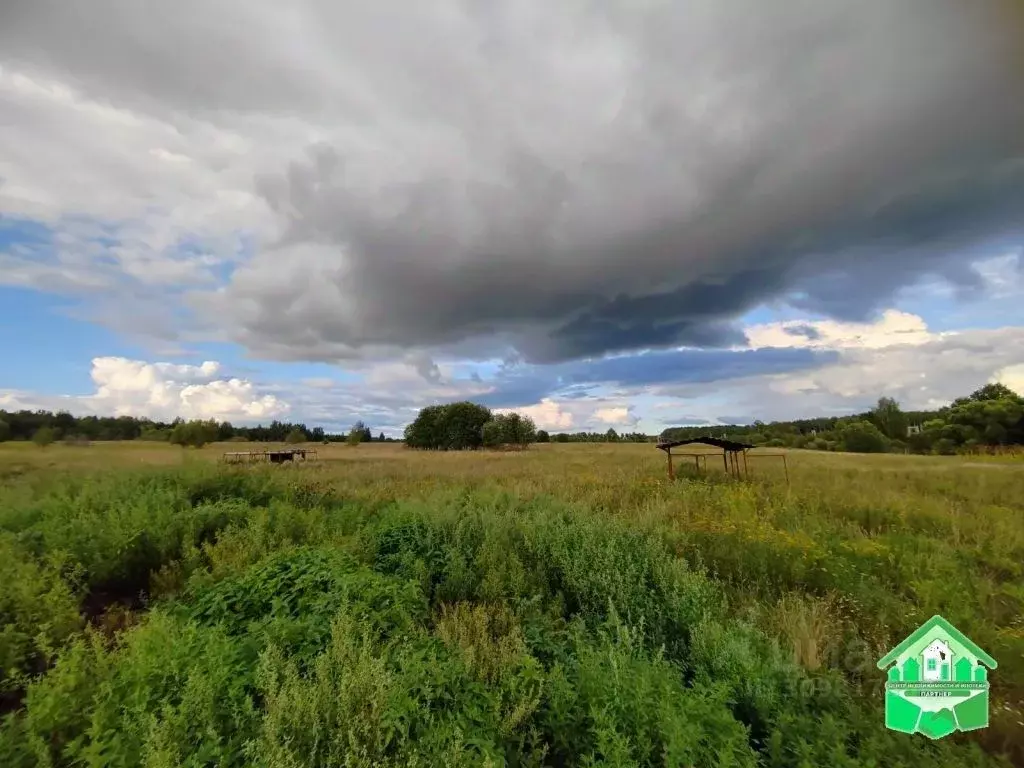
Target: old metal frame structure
{"x":734,"y":456}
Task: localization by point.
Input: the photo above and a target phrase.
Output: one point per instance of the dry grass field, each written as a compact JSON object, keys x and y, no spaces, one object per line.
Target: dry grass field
{"x":566,"y":605}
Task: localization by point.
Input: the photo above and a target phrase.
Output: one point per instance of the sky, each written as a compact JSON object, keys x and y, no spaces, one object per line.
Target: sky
{"x":628,"y":214}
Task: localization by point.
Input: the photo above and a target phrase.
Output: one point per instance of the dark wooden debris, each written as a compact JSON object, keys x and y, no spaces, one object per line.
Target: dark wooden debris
{"x":274,"y":456}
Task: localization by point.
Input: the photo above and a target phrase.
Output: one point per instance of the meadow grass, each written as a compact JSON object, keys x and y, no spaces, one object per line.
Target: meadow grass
{"x":566,"y":605}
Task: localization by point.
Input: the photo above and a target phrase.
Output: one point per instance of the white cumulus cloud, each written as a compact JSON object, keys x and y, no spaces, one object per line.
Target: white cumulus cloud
{"x":621,"y":415}
{"x":547,"y":414}
{"x":892,"y":328}
{"x":1012,"y":376}
{"x":161,"y":391}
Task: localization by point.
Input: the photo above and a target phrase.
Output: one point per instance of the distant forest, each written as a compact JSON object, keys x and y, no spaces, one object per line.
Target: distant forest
{"x":26,"y":425}
{"x":986,"y":420}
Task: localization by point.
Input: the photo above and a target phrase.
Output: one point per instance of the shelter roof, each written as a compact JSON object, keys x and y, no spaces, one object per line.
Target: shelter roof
{"x":717,"y":442}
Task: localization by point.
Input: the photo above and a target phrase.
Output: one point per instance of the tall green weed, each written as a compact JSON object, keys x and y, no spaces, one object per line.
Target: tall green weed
{"x":295,"y":624}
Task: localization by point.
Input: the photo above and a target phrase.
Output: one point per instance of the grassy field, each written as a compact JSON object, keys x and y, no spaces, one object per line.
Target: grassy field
{"x":562,"y":606}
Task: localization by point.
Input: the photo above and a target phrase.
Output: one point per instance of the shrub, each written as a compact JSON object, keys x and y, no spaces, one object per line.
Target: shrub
{"x":44,"y":436}
{"x":194,"y":433}
{"x":38,"y":612}
{"x":296,"y":436}
{"x":371,"y":702}
{"x":302,"y":590}
{"x":921,"y":442}
{"x":116,"y":529}
{"x":492,"y":434}
{"x":172,"y":689}
{"x":510,"y":429}
{"x":310,"y":622}
{"x":863,"y":437}
{"x":614,"y":703}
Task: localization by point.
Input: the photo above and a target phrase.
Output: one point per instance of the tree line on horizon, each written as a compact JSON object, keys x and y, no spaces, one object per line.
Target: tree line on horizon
{"x":45,"y":427}
{"x":989,"y":417}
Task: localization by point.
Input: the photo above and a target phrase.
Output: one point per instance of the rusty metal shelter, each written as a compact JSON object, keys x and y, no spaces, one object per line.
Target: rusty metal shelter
{"x":734,"y":455}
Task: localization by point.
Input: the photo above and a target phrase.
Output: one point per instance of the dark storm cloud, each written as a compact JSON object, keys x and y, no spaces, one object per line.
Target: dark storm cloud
{"x":577,"y":179}
{"x":189,"y":56}
{"x":694,"y":366}
{"x":529,"y":383}
{"x":861,"y":165}
{"x":691,"y":315}
{"x":933,"y":232}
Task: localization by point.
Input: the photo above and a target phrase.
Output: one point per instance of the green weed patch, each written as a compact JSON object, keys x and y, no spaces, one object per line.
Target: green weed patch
{"x":289,"y":621}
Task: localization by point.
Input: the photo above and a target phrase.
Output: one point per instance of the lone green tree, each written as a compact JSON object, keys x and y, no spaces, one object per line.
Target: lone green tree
{"x":362,"y":434}
{"x":889,"y":418}
{"x":452,"y":427}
